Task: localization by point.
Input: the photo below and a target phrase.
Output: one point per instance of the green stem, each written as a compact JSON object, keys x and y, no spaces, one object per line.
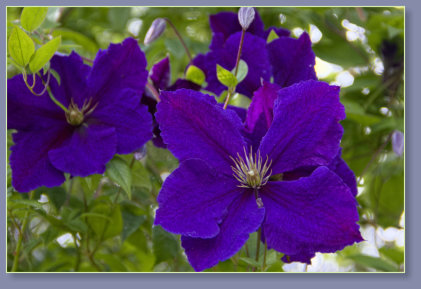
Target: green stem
{"x":264,"y":256}
{"x":259,"y":236}
{"x":180,"y":38}
{"x":240,"y":48}
{"x":20,"y":238}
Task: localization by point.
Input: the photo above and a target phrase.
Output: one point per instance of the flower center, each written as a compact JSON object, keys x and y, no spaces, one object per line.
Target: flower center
{"x":251,"y":172}
{"x":76,"y":116}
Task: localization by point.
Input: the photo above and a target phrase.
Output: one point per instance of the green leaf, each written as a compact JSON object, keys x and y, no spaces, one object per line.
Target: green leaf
{"x":131,"y":222}
{"x":101,"y":225}
{"x":242,"y":71}
{"x":250,"y":261}
{"x":78,"y":38}
{"x":225,"y":77}
{"x":119,"y":172}
{"x":375,"y":263}
{"x":32,"y":17}
{"x":165,"y":245}
{"x":21,"y":47}
{"x":140,"y":176}
{"x":195,"y":74}
{"x":56,"y":195}
{"x":44,"y":54}
{"x":272,"y":36}
{"x":395,"y":254}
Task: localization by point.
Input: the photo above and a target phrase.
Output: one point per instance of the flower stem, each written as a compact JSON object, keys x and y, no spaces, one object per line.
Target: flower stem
{"x":259,"y":236}
{"x":180,"y":38}
{"x":264,"y":256}
{"x":152,"y":89}
{"x":20,"y":238}
{"x":240,"y":48}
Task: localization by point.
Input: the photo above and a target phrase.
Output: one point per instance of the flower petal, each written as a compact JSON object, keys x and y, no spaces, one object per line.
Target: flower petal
{"x":243,"y":218}
{"x":73,"y":78}
{"x":339,"y":167}
{"x":160,"y":74}
{"x":26,"y":111}
{"x":29,"y":161}
{"x":131,"y":120}
{"x":312,"y":214}
{"x":194,"y":126}
{"x":262,"y":103}
{"x":305,"y":130}
{"x":254,"y":53}
{"x":86,"y":151}
{"x":120,"y":66}
{"x":292,"y":60}
{"x":194,"y":199}
{"x":224,"y":24}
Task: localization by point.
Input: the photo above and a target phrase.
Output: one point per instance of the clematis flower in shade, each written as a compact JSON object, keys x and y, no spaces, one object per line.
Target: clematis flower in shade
{"x":103,"y":117}
{"x":228,"y":185}
{"x":160,"y":76}
{"x":287,"y":59}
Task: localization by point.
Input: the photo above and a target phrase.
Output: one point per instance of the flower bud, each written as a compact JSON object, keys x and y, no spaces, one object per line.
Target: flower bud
{"x":246,"y":17}
{"x":398,"y":142}
{"x":156,"y":29}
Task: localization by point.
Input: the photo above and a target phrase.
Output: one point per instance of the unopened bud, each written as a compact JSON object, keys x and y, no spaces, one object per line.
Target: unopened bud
{"x":398,"y":142}
{"x":246,"y":17}
{"x":156,"y":29}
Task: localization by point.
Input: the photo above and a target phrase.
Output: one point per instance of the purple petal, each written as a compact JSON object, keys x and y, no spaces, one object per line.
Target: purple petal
{"x":120,"y":66}
{"x":86,"y":151}
{"x":194,"y":199}
{"x":305,"y":130}
{"x":184,"y":83}
{"x":29,"y":161}
{"x":194,"y":126}
{"x":278,"y":30}
{"x":243,"y":218}
{"x":339,"y":167}
{"x":398,"y":142}
{"x":262,"y":104}
{"x":292,"y":60}
{"x":26,"y":111}
{"x":312,"y":214}
{"x":224,"y":24}
{"x":160,"y":74}
{"x":73,"y":78}
{"x":254,"y":53}
{"x":131,"y":120}
{"x":303,"y":257}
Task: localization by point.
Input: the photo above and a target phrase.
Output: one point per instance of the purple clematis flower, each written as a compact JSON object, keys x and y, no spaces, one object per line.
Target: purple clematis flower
{"x":287,"y":59}
{"x":231,"y":183}
{"x":160,"y":76}
{"x":103,"y":117}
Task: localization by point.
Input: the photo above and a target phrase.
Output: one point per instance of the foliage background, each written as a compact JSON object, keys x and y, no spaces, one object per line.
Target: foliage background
{"x":104,"y":223}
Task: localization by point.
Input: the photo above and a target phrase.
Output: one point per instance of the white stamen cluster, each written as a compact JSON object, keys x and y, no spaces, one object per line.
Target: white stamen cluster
{"x":251,"y":172}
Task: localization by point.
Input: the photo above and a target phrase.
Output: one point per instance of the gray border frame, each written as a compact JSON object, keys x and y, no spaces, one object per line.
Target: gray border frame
{"x":342,"y":280}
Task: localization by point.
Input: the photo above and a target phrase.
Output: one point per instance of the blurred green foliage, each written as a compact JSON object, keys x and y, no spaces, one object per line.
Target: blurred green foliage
{"x":104,"y":223}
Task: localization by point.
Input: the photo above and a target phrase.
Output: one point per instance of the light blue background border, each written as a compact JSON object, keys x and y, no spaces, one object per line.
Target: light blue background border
{"x":412,"y":278}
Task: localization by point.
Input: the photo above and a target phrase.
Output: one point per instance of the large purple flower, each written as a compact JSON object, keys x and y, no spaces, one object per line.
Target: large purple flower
{"x":287,"y":59}
{"x":160,"y":76}
{"x":229,"y":184}
{"x":103,"y":117}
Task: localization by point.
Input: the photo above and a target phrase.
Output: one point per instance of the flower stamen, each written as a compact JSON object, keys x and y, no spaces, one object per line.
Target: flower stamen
{"x":251,"y":172}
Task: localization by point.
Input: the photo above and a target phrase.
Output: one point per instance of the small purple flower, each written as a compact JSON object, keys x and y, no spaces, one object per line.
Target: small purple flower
{"x":160,"y":76}
{"x":103,"y":117}
{"x":287,"y":59}
{"x":229,"y":184}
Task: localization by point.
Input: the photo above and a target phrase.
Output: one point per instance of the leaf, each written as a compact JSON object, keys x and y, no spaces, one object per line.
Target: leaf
{"x":77,"y":38}
{"x":242,"y":71}
{"x":195,"y":74}
{"x":44,"y":54}
{"x":250,"y":261}
{"x":131,"y":222}
{"x":102,"y":226}
{"x":225,"y":77}
{"x":395,"y":254}
{"x":32,"y":17}
{"x":140,"y":176}
{"x":272,"y":36}
{"x":118,"y":17}
{"x":56,"y":195}
{"x":119,"y":172}
{"x":21,"y":47}
{"x":165,"y":245}
{"x":375,"y":263}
